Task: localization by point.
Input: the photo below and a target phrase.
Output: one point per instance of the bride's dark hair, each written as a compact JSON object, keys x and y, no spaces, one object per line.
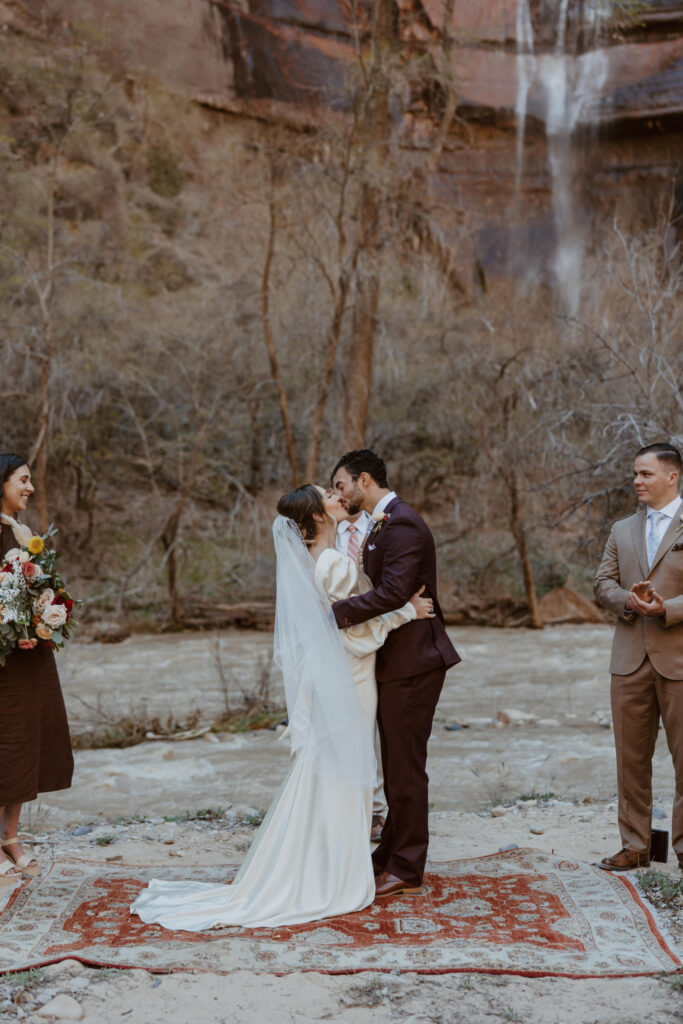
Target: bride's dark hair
{"x":300,"y":505}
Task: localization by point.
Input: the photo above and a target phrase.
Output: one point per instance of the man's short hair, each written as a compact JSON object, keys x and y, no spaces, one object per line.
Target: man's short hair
{"x":665,"y":453}
{"x":363,"y":460}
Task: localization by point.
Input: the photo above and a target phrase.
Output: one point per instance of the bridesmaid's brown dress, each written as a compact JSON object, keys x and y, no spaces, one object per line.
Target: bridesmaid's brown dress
{"x":35,"y":748}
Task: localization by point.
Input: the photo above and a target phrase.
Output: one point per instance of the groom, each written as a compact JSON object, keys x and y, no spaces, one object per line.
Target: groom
{"x":399,"y":557}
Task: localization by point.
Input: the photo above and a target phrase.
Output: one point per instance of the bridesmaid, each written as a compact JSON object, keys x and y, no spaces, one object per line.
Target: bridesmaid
{"x":35,"y":747}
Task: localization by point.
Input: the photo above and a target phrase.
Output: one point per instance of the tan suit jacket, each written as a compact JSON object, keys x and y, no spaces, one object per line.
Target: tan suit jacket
{"x":625,"y":563}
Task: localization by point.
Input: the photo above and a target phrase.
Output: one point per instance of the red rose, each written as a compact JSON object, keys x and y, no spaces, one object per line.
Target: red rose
{"x":67,"y":602}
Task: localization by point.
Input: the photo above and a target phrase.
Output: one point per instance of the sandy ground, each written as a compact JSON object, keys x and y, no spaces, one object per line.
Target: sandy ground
{"x":486,"y":765}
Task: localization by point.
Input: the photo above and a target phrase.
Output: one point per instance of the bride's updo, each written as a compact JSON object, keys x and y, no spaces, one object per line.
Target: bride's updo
{"x":300,"y":505}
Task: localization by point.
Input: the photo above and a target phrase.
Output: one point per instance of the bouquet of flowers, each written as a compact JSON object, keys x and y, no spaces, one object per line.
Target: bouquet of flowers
{"x":35,"y":607}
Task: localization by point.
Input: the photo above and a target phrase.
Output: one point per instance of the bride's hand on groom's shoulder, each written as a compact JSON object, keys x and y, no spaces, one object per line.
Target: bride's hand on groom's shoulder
{"x":424,"y":606}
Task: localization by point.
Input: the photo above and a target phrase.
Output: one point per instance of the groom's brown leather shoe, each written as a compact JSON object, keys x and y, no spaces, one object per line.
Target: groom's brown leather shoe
{"x":387,"y":884}
{"x":626,"y":860}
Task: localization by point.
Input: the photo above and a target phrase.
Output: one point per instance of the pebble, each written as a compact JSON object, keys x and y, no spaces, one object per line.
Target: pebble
{"x":62,"y":1007}
{"x":506,"y":849}
{"x":512,"y":716}
{"x":535,"y":831}
{"x":211,"y":737}
{"x":498,"y":812}
{"x":452,"y":728}
{"x":139,"y":973}
{"x":175,"y":853}
{"x":81,"y":830}
{"x":657,"y":812}
{"x":75,"y":966}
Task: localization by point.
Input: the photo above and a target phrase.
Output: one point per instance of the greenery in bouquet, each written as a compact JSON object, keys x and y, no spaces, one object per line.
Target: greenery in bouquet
{"x":35,"y":606}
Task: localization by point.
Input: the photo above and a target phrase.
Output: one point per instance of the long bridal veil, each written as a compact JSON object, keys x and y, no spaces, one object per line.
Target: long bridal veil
{"x":310,"y":858}
{"x":325,"y":718}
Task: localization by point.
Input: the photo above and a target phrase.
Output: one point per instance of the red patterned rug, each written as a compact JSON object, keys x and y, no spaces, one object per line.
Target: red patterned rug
{"x":519,"y":912}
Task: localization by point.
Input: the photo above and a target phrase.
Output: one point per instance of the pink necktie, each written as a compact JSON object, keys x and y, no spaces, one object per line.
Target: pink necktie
{"x":354,"y":542}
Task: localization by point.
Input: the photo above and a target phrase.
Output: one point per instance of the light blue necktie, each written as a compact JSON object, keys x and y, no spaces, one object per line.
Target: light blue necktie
{"x":653,"y":537}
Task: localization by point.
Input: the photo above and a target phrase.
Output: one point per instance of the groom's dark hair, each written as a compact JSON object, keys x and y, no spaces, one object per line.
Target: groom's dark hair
{"x":363,"y":460}
{"x":665,"y":452}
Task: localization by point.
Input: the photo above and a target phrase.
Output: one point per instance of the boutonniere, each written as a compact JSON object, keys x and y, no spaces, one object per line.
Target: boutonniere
{"x":680,"y":524}
{"x":379,"y":519}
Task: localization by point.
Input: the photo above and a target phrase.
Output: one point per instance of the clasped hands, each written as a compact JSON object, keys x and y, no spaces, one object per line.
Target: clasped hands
{"x":644,"y":600}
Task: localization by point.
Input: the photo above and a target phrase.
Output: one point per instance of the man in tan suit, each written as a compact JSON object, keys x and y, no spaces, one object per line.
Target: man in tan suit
{"x":640,"y":579}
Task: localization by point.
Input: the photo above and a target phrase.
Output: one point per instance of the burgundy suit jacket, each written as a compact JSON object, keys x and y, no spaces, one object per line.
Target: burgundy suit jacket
{"x":399,"y":557}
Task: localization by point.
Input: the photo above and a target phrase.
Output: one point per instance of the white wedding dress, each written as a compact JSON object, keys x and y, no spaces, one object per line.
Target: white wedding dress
{"x":310,"y":858}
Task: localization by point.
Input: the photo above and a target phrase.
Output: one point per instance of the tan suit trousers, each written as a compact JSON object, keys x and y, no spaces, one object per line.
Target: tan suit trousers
{"x":638,"y":700}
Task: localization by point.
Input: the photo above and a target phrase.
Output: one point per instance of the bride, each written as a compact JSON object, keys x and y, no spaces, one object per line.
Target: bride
{"x":310,"y":859}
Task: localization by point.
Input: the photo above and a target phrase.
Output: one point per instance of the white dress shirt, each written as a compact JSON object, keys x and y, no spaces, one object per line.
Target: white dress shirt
{"x":383,"y":502}
{"x":656,"y":523}
{"x":362,"y":524}
{"x":663,"y":518}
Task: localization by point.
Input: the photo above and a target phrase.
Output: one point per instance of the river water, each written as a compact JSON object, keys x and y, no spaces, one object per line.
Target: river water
{"x":559,"y":675}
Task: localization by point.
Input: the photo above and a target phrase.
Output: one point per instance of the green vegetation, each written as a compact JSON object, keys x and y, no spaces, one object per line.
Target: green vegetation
{"x":27,"y":979}
{"x":661,"y":889}
{"x":255,"y":819}
{"x":205,"y":814}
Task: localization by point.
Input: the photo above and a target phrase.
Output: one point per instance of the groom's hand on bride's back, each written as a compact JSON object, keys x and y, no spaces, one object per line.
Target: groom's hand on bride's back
{"x":424,"y":606}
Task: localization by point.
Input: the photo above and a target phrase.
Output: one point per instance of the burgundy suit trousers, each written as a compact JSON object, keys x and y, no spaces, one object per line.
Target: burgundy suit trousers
{"x":405,"y":710}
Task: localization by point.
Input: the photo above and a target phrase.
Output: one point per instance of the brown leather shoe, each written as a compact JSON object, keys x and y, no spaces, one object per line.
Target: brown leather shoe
{"x":387,"y":884}
{"x":626,"y":860}
{"x":377,"y":870}
{"x":377,"y":826}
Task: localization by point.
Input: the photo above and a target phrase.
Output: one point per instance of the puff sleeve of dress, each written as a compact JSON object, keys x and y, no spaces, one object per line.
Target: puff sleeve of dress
{"x":339,"y":576}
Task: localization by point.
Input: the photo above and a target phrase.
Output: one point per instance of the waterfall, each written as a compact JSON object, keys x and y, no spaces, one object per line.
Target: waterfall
{"x":526,"y":70}
{"x":567,"y":89}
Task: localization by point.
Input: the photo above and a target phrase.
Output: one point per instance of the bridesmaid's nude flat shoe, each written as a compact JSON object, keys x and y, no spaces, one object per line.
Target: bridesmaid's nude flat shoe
{"x":29,"y":866}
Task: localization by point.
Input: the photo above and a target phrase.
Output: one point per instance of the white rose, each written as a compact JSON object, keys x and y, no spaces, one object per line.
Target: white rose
{"x":24,"y":556}
{"x":43,"y":601}
{"x":12,"y":555}
{"x":54,"y":616}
